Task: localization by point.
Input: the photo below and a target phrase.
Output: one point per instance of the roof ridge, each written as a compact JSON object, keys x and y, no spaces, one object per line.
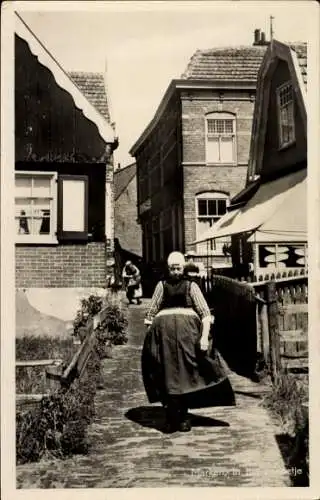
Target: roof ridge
{"x":124,"y":168}
{"x":233,"y":47}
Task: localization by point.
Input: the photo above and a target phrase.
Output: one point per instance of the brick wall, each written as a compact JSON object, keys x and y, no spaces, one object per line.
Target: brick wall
{"x":126,"y":228}
{"x":159,"y":177}
{"x":61,"y":266}
{"x":193,"y":125}
{"x":198,"y":179}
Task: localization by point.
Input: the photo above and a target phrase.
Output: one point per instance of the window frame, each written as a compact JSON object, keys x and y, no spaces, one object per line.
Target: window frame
{"x":212,"y":247}
{"x":282,"y":143}
{"x":221,"y":116}
{"x":45,"y":239}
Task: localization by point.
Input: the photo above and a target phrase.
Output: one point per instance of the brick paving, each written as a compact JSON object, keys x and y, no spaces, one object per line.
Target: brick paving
{"x":234,"y":446}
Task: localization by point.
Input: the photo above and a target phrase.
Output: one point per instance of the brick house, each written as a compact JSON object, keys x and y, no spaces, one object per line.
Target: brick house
{"x":64,"y":144}
{"x":193,"y":156}
{"x":127,"y":231}
{"x":268,"y":219}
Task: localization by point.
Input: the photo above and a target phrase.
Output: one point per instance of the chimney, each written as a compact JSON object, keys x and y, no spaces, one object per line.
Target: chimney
{"x":256,"y":37}
{"x":260,"y":38}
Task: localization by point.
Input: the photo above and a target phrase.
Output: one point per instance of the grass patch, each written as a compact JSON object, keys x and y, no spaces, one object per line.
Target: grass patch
{"x":31,"y":380}
{"x":57,"y":426}
{"x":287,"y":403}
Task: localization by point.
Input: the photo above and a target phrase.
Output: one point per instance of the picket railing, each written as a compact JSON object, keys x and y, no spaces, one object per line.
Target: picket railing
{"x":265,"y":276}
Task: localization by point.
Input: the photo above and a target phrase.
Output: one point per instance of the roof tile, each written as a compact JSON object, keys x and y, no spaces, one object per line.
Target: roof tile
{"x":301,"y":50}
{"x":226,"y":63}
{"x":236,"y":63}
{"x":92,"y":85}
{"x":122,"y":178}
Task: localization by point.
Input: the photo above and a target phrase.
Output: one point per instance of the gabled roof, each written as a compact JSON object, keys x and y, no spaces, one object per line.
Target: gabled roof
{"x":92,"y":85}
{"x":63,"y":79}
{"x":295,"y":55}
{"x":122,"y":179}
{"x":225,"y":63}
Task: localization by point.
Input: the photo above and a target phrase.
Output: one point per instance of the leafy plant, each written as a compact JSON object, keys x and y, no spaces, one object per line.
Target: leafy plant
{"x":89,"y":308}
{"x":58,"y":426}
{"x":111,"y":331}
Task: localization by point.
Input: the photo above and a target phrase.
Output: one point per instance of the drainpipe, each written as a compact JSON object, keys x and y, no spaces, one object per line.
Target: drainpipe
{"x":109,"y":215}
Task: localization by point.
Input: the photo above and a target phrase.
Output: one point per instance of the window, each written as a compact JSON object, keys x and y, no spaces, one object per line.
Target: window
{"x":49,"y":207}
{"x":210,"y":207}
{"x":286,"y":114}
{"x":35,"y":207}
{"x":220,"y":138}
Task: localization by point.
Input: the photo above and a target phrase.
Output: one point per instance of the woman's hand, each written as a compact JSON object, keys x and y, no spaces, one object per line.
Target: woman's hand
{"x":205,"y":332}
{"x":147,"y":323}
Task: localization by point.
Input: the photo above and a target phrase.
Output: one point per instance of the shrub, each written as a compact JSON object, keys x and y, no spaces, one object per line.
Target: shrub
{"x":285,"y":400}
{"x":58,"y":426}
{"x":286,"y":403}
{"x":111,"y":331}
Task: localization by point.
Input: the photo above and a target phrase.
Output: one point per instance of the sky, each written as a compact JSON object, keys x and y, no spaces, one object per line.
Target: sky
{"x":144,"y":45}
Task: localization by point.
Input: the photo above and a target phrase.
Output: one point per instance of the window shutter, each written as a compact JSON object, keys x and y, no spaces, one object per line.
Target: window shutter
{"x":226,"y":150}
{"x":213,"y":155}
{"x":72,"y":208}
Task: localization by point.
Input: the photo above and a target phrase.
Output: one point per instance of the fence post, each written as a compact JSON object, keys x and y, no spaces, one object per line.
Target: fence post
{"x":263,"y":319}
{"x":274,"y":339}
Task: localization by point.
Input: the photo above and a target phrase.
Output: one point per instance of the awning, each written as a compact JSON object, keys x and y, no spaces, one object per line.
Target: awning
{"x":64,"y":80}
{"x":223,"y":222}
{"x":278,"y":206}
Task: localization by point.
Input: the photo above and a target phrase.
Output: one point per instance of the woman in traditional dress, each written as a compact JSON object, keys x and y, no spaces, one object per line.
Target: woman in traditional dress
{"x":132,"y":281}
{"x":176,"y":367}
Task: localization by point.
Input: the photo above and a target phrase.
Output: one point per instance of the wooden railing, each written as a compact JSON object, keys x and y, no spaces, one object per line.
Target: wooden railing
{"x":55,"y":374}
{"x":264,"y":277}
{"x":281,"y":318}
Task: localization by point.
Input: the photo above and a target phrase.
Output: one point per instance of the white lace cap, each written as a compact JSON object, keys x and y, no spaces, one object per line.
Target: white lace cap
{"x":176,"y":258}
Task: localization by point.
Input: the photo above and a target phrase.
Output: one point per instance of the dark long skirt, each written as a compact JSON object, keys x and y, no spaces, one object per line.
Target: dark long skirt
{"x":173,"y":364}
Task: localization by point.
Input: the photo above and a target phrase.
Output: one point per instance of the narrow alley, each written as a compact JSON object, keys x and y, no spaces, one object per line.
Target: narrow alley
{"x":233,"y":446}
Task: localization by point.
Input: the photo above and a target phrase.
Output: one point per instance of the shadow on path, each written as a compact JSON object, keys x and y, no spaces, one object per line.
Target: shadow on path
{"x":154,"y":417}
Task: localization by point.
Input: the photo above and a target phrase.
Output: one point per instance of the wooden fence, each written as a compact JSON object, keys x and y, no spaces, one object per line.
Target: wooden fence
{"x":282,"y":323}
{"x":55,"y":374}
{"x":281,"y":318}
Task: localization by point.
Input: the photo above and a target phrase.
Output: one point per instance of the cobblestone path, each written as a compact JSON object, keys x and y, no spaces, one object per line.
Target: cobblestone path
{"x":233,"y":446}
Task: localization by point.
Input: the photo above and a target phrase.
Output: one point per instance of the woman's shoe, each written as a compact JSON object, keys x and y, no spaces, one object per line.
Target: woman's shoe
{"x":170,"y":428}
